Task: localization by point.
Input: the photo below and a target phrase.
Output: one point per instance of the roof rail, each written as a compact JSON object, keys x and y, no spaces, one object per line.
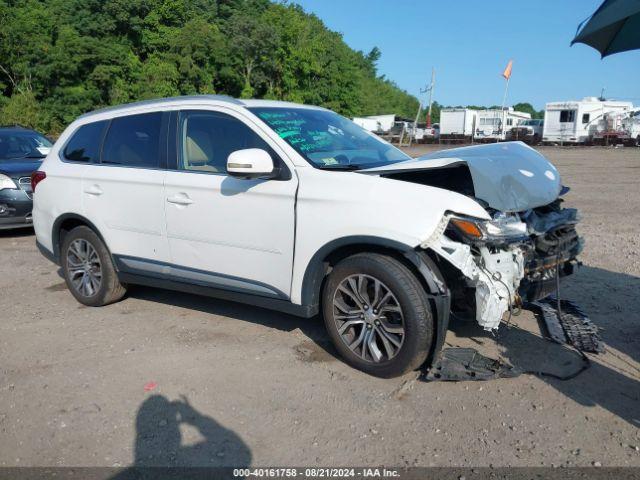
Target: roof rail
{"x":15,"y":125}
{"x":223,"y":98}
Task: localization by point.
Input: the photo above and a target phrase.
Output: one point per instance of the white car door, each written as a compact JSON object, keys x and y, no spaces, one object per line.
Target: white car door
{"x":226,"y":232}
{"x":123,"y":195}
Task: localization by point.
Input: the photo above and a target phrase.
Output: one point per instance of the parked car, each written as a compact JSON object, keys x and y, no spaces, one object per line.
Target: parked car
{"x":424,"y":134}
{"x":21,"y":153}
{"x":298,"y":209}
{"x":528,"y":131}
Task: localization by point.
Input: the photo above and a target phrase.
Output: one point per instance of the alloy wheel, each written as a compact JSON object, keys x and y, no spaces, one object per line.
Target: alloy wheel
{"x":369,"y":318}
{"x":84,"y":268}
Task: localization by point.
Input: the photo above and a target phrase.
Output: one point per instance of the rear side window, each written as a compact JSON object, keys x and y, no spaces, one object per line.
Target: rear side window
{"x":134,"y":141}
{"x":84,"y":145}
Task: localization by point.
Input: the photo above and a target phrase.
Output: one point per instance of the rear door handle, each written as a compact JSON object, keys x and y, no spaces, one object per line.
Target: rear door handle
{"x":180,"y":199}
{"x":94,"y":190}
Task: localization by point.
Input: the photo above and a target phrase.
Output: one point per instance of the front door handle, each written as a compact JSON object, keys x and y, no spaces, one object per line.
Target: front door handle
{"x":94,"y":190}
{"x":180,"y":199}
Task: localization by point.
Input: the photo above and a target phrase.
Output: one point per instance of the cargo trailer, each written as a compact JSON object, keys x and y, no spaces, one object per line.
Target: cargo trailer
{"x":457,"y":124}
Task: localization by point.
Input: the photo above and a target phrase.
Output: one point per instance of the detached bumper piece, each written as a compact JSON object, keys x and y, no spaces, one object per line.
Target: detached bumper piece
{"x":572,"y":326}
{"x":457,"y":364}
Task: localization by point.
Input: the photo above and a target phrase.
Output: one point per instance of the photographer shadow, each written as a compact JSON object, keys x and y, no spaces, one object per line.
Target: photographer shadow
{"x":160,"y":450}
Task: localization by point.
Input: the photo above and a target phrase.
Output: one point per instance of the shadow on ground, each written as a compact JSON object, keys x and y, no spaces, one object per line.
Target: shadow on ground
{"x":160,"y":443}
{"x":18,"y":233}
{"x":611,"y":301}
{"x":312,"y":328}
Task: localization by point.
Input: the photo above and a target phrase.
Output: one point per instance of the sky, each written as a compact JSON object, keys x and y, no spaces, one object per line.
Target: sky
{"x":470,"y":42}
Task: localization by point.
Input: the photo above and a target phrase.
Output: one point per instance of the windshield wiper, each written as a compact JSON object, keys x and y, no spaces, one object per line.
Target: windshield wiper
{"x":340,"y":167}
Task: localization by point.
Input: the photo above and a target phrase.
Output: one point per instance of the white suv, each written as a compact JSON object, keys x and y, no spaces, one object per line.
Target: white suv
{"x":296,"y":208}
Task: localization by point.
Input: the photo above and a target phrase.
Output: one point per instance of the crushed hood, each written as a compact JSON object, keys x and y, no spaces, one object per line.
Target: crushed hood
{"x":510,"y":177}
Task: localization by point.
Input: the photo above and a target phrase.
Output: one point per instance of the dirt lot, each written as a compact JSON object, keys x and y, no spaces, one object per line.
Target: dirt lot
{"x":238,"y":385}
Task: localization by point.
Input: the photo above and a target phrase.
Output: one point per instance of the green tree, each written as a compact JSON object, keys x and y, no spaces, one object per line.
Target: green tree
{"x":61,"y":58}
{"x":528,"y":108}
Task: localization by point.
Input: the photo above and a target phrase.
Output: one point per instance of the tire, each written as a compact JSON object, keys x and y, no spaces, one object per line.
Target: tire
{"x":415,"y":317}
{"x":93,"y":283}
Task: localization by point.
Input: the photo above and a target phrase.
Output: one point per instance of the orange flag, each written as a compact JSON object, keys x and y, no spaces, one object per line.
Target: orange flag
{"x":507,"y":71}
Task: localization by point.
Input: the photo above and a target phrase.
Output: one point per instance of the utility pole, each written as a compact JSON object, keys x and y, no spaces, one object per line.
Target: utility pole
{"x":431,"y":89}
{"x":428,"y":88}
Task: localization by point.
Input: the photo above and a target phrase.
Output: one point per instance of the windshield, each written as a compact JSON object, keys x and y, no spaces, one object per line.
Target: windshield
{"x":328,"y":140}
{"x":532,"y":122}
{"x":27,"y":145}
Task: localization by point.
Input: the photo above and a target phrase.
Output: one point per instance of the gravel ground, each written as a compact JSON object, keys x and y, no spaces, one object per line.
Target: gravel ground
{"x":228,"y":384}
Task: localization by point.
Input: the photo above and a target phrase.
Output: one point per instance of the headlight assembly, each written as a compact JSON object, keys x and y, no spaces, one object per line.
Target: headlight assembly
{"x":502,"y":228}
{"x":7,"y":182}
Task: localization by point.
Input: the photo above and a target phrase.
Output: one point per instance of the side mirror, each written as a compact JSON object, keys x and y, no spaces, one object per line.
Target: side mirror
{"x":250,"y":163}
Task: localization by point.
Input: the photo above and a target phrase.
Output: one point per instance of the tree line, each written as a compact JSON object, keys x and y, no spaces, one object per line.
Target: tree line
{"x":61,"y":58}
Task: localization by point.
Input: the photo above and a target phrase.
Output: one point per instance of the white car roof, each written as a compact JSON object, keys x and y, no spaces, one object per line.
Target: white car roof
{"x":191,"y":99}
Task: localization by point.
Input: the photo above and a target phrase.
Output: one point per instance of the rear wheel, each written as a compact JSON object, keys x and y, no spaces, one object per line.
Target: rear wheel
{"x":378,"y":315}
{"x":88,"y":269}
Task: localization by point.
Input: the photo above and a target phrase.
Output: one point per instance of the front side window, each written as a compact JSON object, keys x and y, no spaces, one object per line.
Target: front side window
{"x":327,"y":140}
{"x":27,"y":145}
{"x":84,"y":145}
{"x":567,"y":116}
{"x":585,"y":118}
{"x":134,"y":141}
{"x":208,"y":138}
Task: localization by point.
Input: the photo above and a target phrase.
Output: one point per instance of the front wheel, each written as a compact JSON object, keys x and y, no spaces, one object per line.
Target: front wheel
{"x":378,"y":315}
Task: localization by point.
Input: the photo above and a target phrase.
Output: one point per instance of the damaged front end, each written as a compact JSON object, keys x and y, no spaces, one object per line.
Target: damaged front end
{"x":502,"y":262}
{"x":521,"y":252}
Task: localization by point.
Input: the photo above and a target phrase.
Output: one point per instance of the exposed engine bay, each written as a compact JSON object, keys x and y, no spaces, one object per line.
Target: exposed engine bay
{"x":529,"y":243}
{"x":500,"y":274}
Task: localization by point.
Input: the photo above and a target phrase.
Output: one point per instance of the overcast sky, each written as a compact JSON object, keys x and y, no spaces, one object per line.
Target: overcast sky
{"x":469,"y":43}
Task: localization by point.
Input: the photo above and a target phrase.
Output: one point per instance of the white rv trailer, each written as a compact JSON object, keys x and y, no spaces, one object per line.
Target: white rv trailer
{"x":619,"y":128}
{"x":578,"y":121}
{"x":376,"y":123}
{"x":492,"y":125}
{"x":457,"y":124}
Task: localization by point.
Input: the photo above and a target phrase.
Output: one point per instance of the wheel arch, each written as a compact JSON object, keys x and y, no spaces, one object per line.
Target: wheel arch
{"x":64,"y":224}
{"x":423,"y":264}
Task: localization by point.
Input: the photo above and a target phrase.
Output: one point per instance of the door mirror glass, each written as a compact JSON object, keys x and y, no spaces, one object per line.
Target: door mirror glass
{"x":250,"y":163}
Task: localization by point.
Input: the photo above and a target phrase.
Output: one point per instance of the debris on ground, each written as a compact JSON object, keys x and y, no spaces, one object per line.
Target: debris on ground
{"x":456,"y":364}
{"x":150,"y":386}
{"x":571,"y":325}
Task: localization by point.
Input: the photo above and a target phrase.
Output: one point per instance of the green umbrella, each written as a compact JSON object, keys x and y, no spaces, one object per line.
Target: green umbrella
{"x":613,"y":28}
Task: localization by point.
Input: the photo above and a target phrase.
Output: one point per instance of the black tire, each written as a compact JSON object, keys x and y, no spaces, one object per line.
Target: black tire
{"x":109,"y":289}
{"x":418,"y":319}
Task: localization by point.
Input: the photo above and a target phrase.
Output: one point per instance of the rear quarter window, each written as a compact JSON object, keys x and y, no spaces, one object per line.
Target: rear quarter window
{"x":84,"y":145}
